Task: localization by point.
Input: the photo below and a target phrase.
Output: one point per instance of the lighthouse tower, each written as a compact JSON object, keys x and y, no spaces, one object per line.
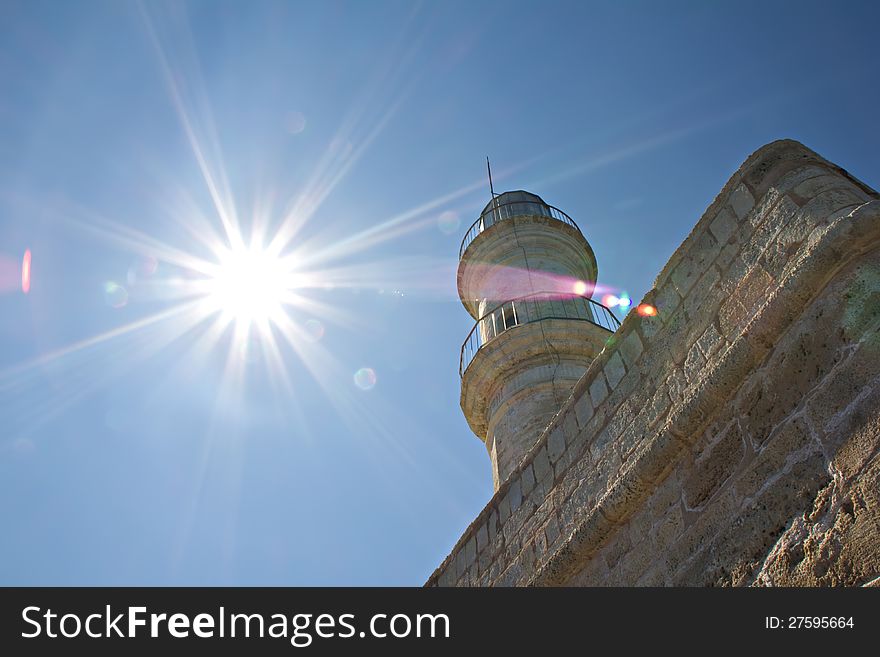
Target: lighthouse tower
{"x":526,"y":274}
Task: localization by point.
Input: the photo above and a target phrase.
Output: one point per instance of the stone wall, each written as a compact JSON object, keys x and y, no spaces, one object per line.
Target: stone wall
{"x":732,"y":438}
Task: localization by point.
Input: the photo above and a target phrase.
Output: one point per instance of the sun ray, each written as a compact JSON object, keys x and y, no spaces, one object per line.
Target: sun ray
{"x":414,"y":219}
{"x":217,"y":183}
{"x":79,"y":369}
{"x":139,"y":324}
{"x":132,"y":239}
{"x":341,"y":155}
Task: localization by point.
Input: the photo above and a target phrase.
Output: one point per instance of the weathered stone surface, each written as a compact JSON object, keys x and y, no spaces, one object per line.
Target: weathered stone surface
{"x":836,"y":542}
{"x":714,"y":466}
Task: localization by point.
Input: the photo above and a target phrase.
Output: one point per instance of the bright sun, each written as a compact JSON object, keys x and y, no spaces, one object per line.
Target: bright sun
{"x":249,"y":286}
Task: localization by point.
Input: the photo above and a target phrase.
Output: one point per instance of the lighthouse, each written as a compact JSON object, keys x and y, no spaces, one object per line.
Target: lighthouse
{"x":526,"y":275}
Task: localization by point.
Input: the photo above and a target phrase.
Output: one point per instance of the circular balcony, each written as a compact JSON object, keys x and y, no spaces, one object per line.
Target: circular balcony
{"x":533,"y":308}
{"x":509,"y":205}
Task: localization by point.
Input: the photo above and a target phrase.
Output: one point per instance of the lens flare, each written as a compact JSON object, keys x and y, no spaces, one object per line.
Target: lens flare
{"x":612,"y":300}
{"x":26,"y":272}
{"x":314,"y":330}
{"x":580,"y":287}
{"x":295,"y":123}
{"x":365,"y":378}
{"x":115,"y":295}
{"x":448,"y":222}
{"x":646,"y":310}
{"x":141,"y":269}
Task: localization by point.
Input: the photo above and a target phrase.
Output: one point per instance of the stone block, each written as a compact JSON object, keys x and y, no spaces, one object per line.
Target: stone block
{"x":528,"y":559}
{"x":694,"y":364}
{"x":631,"y":348}
{"x":649,"y":327}
{"x":470,"y":552}
{"x":704,"y":297}
{"x":747,"y":537}
{"x":672,"y":341}
{"x":527,"y":479}
{"x":790,"y":442}
{"x":724,"y":225}
{"x":555,"y":444}
{"x":617,"y":547}
{"x":562,"y":465}
{"x":602,"y":443}
{"x":792,"y":179}
{"x":732,"y":317}
{"x":685,"y":275}
{"x":620,"y":420}
{"x":492,"y":526}
{"x":514,"y":494}
{"x":830,"y":202}
{"x":714,"y":467}
{"x":854,"y":378}
{"x":667,"y":494}
{"x":711,"y":341}
{"x":583,"y":409}
{"x":780,"y":216}
{"x":676,"y":384}
{"x":666,"y":300}
{"x":446,"y":579}
{"x":727,"y":254}
{"x":742,"y":201}
{"x":856,"y":435}
{"x":504,"y":509}
{"x":541,"y":465}
{"x":704,"y":250}
{"x":658,"y":408}
{"x":569,"y":423}
{"x":668,"y":528}
{"x":629,"y":440}
{"x":759,"y":213}
{"x":577,"y":446}
{"x":594,"y":573}
{"x":699,"y":534}
{"x":598,"y":390}
{"x":551,"y":530}
{"x":755,"y":289}
{"x":482,"y":538}
{"x":614,"y":370}
{"x":817,"y":185}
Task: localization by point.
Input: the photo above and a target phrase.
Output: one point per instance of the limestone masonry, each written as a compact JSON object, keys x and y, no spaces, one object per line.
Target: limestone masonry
{"x":732,"y":439}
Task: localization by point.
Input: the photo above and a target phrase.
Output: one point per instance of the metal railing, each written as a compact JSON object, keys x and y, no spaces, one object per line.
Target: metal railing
{"x":497,"y":212}
{"x":533,"y":308}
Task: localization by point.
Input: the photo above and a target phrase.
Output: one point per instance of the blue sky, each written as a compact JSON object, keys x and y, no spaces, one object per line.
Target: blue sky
{"x":140,"y":444}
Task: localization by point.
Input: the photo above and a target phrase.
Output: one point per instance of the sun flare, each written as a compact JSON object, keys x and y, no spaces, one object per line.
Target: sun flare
{"x":250,"y":285}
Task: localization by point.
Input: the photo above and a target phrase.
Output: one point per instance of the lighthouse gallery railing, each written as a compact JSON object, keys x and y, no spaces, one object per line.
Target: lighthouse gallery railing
{"x":497,"y":212}
{"x":533,"y":308}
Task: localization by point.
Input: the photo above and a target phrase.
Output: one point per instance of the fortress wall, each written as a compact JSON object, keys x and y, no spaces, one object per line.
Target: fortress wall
{"x":733,"y":437}
{"x":789,"y":467}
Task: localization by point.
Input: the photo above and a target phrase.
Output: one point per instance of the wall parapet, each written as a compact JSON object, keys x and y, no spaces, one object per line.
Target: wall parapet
{"x":783,"y":223}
